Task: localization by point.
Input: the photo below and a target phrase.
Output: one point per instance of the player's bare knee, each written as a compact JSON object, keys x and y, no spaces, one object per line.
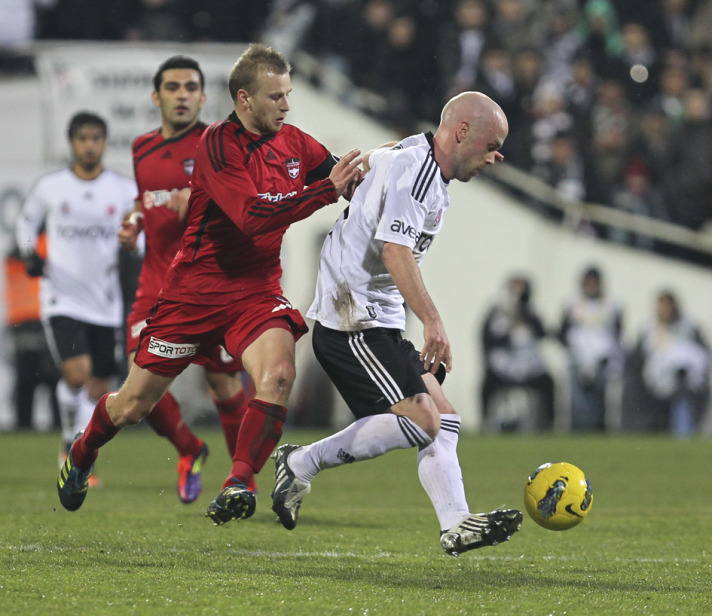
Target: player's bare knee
{"x":277,"y":380}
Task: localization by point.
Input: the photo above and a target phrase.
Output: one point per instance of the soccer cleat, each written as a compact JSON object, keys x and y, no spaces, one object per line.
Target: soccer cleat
{"x":480,"y":530}
{"x":288,"y":490}
{"x":189,"y":468}
{"x":72,"y":484}
{"x":235,"y":502}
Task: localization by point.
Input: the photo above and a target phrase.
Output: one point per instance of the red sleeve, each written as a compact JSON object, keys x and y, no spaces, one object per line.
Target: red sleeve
{"x":224,"y":176}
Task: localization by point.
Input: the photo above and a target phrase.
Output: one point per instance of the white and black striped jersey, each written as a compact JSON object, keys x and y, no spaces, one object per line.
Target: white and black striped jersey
{"x":402,"y":200}
{"x":82,"y":218}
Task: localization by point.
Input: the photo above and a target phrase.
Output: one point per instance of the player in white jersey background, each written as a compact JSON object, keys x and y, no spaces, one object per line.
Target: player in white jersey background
{"x":368,"y":271}
{"x":81,"y":207}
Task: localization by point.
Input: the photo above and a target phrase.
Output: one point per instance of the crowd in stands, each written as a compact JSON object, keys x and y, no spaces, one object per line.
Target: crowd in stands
{"x":608,"y":100}
{"x":660,"y":383}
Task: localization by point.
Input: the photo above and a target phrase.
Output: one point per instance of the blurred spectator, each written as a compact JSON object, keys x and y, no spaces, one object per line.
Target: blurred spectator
{"x":701,"y":26}
{"x":511,"y":25}
{"x":551,"y":118}
{"x":580,"y":95}
{"x":688,"y":181}
{"x":511,"y":336}
{"x":159,"y":20}
{"x":372,"y":26}
{"x":86,"y":19}
{"x":600,"y":31}
{"x":460,"y":46}
{"x":559,"y":40}
{"x":496,"y":79}
{"x":400,"y":77}
{"x":18,"y":26}
{"x":610,"y":129}
{"x":670,"y":99}
{"x":668,"y":375}
{"x":564,"y":169}
{"x":637,"y":66}
{"x":649,"y":145}
{"x":591,"y":333}
{"x":635,"y":194}
{"x":244,"y":21}
{"x":526,"y":70}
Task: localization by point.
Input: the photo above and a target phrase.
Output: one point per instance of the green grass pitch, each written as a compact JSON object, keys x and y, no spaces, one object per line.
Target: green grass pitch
{"x":367,"y":540}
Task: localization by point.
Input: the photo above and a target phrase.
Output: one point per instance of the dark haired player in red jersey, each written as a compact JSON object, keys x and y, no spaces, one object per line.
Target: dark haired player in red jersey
{"x":163,"y":163}
{"x":254,"y":176}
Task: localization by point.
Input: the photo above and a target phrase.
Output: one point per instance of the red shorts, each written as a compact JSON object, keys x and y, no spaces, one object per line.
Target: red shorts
{"x":219,"y":361}
{"x":178,"y":334}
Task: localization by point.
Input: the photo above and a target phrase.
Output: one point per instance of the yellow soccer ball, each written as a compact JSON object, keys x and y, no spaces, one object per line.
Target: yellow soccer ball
{"x":558,"y":495}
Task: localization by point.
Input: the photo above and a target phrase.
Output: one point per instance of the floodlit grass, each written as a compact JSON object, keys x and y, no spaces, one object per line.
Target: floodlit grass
{"x":367,"y":541}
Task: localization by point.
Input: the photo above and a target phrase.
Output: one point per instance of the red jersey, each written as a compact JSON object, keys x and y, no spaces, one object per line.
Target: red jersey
{"x":246,"y":191}
{"x":161,"y":165}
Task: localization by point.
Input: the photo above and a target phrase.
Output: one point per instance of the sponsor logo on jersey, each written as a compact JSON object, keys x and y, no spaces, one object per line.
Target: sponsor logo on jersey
{"x":188,"y":165}
{"x":423,"y":243}
{"x":439,"y":216}
{"x":171,"y":350}
{"x":153,"y":198}
{"x":371,"y":312}
{"x":167,"y":154}
{"x":92,"y":232}
{"x":271,"y":156}
{"x":110,"y":210}
{"x":292,"y":165}
{"x":277,"y":197}
{"x":398,"y":226}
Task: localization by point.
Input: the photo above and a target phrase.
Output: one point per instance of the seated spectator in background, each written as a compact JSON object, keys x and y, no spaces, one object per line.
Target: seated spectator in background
{"x":550,"y":119}
{"x":460,"y":46}
{"x":688,"y":181}
{"x":635,"y":194}
{"x":591,"y":333}
{"x":511,"y":335}
{"x":667,"y":383}
{"x":638,"y":65}
{"x":611,"y":118}
{"x":511,"y":24}
{"x":600,"y":31}
{"x":564,"y":170}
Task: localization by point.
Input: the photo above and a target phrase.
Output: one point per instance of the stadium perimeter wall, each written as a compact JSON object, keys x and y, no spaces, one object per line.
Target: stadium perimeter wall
{"x":486,"y":237}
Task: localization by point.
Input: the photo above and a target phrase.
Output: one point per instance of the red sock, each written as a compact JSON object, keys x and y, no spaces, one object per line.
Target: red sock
{"x":166,"y":420}
{"x":259,"y":434}
{"x":99,"y":431}
{"x":230,"y":414}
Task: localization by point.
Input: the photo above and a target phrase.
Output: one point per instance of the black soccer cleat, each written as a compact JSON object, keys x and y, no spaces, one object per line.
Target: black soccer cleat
{"x":72,"y":483}
{"x":235,"y":502}
{"x":288,"y":490}
{"x":480,"y":530}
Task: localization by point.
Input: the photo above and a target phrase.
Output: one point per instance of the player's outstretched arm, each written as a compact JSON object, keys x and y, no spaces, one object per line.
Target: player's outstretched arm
{"x":405,"y":272}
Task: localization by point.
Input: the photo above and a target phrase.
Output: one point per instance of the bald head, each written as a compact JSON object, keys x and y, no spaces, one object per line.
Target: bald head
{"x":472,"y":130}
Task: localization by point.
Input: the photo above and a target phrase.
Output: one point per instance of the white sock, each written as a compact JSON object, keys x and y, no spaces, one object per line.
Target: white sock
{"x":85,"y":411}
{"x":68,"y":402}
{"x":364,"y":439}
{"x":441,"y":476}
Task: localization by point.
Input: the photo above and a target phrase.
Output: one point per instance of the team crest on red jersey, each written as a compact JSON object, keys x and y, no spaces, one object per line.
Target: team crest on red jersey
{"x":188,"y":165}
{"x":292,"y":165}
